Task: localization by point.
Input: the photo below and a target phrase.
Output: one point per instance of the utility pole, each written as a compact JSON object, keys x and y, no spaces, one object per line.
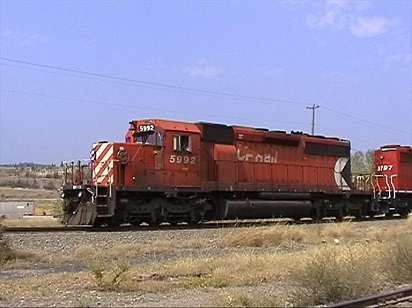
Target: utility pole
{"x":313,"y":116}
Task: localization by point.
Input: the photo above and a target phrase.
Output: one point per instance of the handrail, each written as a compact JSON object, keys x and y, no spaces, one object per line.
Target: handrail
{"x":373,"y":186}
{"x":393,"y":185}
{"x":377,"y":184}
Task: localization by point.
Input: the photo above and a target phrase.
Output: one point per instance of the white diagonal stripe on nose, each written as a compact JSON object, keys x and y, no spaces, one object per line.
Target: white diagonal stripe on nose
{"x":104,"y":160}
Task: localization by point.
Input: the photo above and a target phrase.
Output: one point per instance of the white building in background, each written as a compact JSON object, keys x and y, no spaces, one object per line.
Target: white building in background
{"x":16,"y":209}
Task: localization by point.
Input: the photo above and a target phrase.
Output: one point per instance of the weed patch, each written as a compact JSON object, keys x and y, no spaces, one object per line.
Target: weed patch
{"x":236,"y":269}
{"x":343,"y":230}
{"x":263,"y":237}
{"x":397,"y":259}
{"x":336,"y":273}
{"x":6,"y":252}
{"x":247,"y":299}
{"x":108,"y":278}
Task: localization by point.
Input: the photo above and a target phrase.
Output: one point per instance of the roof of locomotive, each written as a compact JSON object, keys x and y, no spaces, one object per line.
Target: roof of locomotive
{"x":229,"y":133}
{"x":394,"y":147}
{"x":169,"y":125}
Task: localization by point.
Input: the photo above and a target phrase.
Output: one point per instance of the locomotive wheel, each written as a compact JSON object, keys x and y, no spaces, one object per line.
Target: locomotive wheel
{"x":404,"y":213}
{"x":318,"y":214}
{"x":360,"y":214}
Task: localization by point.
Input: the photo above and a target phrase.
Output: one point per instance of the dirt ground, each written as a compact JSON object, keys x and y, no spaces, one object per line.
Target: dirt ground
{"x":169,"y":268}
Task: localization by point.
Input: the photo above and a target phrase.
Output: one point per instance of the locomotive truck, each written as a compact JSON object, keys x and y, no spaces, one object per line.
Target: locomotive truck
{"x":170,"y":171}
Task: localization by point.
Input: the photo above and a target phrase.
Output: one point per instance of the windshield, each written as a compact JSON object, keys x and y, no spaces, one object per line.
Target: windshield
{"x":152,"y":138}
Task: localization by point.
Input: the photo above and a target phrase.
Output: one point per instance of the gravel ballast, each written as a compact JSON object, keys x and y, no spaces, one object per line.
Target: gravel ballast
{"x":64,"y":245}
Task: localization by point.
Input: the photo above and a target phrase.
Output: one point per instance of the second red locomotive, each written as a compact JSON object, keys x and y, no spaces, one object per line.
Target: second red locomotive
{"x":176,"y":171}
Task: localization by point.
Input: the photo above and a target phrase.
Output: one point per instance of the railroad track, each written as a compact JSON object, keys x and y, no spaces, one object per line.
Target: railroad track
{"x":205,"y":225}
{"x":380,"y":300}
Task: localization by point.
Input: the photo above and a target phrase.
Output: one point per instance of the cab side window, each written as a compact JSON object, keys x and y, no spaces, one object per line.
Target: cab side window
{"x":182,"y":143}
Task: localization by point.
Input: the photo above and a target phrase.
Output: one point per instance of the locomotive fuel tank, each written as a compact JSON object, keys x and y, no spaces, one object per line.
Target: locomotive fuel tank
{"x":266,"y":208}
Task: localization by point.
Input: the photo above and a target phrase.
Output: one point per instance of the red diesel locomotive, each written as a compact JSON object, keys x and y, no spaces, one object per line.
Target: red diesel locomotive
{"x":168,"y":171}
{"x":393,"y":179}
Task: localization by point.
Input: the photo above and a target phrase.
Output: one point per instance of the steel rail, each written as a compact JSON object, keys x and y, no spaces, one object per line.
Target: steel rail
{"x":205,"y":225}
{"x":43,"y":229}
{"x":379,"y":300}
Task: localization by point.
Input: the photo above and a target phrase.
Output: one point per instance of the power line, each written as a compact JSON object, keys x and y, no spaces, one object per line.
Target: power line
{"x":162,"y":85}
{"x":365,"y":121}
{"x":188,"y":89}
{"x":364,"y":141}
{"x":134,"y":106}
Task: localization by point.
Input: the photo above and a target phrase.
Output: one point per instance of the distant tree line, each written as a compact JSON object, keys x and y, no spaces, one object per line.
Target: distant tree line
{"x":363,"y":162}
{"x":24,"y":165}
{"x":21,"y":183}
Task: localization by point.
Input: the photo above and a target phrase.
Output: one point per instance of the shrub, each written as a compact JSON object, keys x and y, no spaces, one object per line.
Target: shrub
{"x":334,"y":274}
{"x":6,"y":253}
{"x":107,"y":278}
{"x":245,"y":299}
{"x":58,"y":209}
{"x":342,"y":230}
{"x":397,"y":259}
{"x":50,"y":186}
{"x":408,"y":223}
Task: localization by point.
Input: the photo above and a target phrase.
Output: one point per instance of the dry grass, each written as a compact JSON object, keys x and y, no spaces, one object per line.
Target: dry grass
{"x":85,"y":253}
{"x":396,"y":259}
{"x":335,"y":273}
{"x":8,"y":254}
{"x":45,"y":284}
{"x":320,"y":273}
{"x":42,"y":195}
{"x":40,"y":221}
{"x":237,"y":268}
{"x":194,"y":244}
{"x":343,"y":230}
{"x":263,"y":237}
{"x":408,"y":223}
{"x":109,"y":278}
{"x":124,"y":251}
{"x":252,"y":299}
{"x":281,"y":234}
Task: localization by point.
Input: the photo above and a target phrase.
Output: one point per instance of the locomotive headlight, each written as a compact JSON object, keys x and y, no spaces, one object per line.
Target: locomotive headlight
{"x":381,"y":158}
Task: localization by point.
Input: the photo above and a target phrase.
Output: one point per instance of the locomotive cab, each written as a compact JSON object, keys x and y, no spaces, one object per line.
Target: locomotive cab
{"x":170,"y":155}
{"x":393,"y":179}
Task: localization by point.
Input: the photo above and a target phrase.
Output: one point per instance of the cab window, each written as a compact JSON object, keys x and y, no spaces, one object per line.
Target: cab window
{"x":153,"y":138}
{"x":182,"y":143}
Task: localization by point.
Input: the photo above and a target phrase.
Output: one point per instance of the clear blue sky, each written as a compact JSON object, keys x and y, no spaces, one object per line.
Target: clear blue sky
{"x":274,"y":58}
